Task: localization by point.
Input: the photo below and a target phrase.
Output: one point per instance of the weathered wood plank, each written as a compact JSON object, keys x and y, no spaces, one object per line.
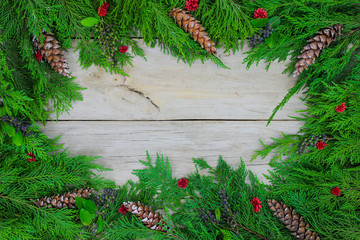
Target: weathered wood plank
{"x":123,"y":143}
{"x":172,"y":90}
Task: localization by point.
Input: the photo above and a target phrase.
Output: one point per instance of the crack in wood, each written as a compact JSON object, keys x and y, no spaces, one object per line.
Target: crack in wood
{"x":140,"y":93}
{"x":134,"y":90}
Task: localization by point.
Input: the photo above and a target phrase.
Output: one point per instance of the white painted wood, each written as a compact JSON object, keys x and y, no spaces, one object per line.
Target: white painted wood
{"x":123,"y":143}
{"x":203,"y":91}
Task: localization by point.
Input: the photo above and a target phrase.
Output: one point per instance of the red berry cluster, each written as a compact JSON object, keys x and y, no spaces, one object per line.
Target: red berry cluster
{"x":103,"y":9}
{"x":183,"y":183}
{"x":340,"y":108}
{"x":336,"y":191}
{"x":32,"y":157}
{"x":122,"y":209}
{"x":123,"y":49}
{"x":256,"y":204}
{"x":260,"y":13}
{"x":192,"y":5}
{"x":38,"y":56}
{"x":320,"y":145}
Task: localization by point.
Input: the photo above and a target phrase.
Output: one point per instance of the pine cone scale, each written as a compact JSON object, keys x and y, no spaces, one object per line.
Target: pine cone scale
{"x":297,"y":225}
{"x":66,"y":200}
{"x":52,"y":53}
{"x":148,"y":217}
{"x":323,"y":38}
{"x":189,"y":24}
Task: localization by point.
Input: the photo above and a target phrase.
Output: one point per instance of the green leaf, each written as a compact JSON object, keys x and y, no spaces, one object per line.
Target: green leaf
{"x":90,"y":206}
{"x":2,"y":111}
{"x":100,"y":223}
{"x":7,"y":110}
{"x":275,"y":21}
{"x":18,"y":139}
{"x":226,"y":234}
{"x":85,"y":217}
{"x":217,"y":214}
{"x":89,"y":21}
{"x":79,"y":202}
{"x":272,"y":40}
{"x":9,"y":130}
{"x":259,"y":22}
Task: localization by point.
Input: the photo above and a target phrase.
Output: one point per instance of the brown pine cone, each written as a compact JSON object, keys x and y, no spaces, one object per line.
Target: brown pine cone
{"x":52,"y":53}
{"x":66,"y":200}
{"x":323,"y":38}
{"x":146,"y":215}
{"x":189,"y":24}
{"x":297,"y":225}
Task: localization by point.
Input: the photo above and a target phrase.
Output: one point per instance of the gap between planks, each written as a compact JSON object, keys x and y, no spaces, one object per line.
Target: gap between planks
{"x":175,"y":120}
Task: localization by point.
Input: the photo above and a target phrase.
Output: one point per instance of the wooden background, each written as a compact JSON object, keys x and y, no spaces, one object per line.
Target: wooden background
{"x":179,"y":111}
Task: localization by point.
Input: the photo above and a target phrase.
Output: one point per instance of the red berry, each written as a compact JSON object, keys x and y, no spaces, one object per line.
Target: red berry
{"x":320,"y":145}
{"x":336,"y":191}
{"x":192,"y":5}
{"x":340,"y":108}
{"x":122,"y":209}
{"x":256,"y":204}
{"x":38,"y":56}
{"x":183,"y":183}
{"x":103,"y":9}
{"x":123,"y":49}
{"x":32,"y":157}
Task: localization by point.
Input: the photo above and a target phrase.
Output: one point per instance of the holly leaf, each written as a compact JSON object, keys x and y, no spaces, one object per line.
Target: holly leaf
{"x":85,"y":217}
{"x":9,"y":130}
{"x":89,"y":206}
{"x":275,"y":21}
{"x":259,"y":22}
{"x":100,"y":223}
{"x":217,"y":214}
{"x":18,"y":139}
{"x":79,"y":202}
{"x":89,"y":21}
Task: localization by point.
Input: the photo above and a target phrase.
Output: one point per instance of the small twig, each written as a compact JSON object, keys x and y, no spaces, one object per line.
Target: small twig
{"x":243,"y":227}
{"x":252,"y":232}
{"x":235,"y":4}
{"x":352,"y":31}
{"x":175,"y":236}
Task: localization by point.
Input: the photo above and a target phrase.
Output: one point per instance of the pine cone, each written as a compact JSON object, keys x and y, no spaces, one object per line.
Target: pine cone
{"x":52,"y":53}
{"x":66,"y":200}
{"x":298,"y":227}
{"x":145,"y":214}
{"x":189,"y":24}
{"x":323,"y":38}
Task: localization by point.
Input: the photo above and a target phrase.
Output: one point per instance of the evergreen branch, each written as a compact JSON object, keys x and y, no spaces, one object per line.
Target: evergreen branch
{"x":291,"y":93}
{"x":246,"y":229}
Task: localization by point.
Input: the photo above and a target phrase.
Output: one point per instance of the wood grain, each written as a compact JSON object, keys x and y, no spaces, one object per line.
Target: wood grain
{"x":163,"y":89}
{"x":169,"y":108}
{"x":122,"y":143}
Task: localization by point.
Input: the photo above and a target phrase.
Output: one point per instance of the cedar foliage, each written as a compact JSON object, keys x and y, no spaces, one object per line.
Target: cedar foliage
{"x":302,"y":182}
{"x":50,"y":174}
{"x":300,"y":20}
{"x":158,"y":189}
{"x":303,"y":186}
{"x":146,"y":18}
